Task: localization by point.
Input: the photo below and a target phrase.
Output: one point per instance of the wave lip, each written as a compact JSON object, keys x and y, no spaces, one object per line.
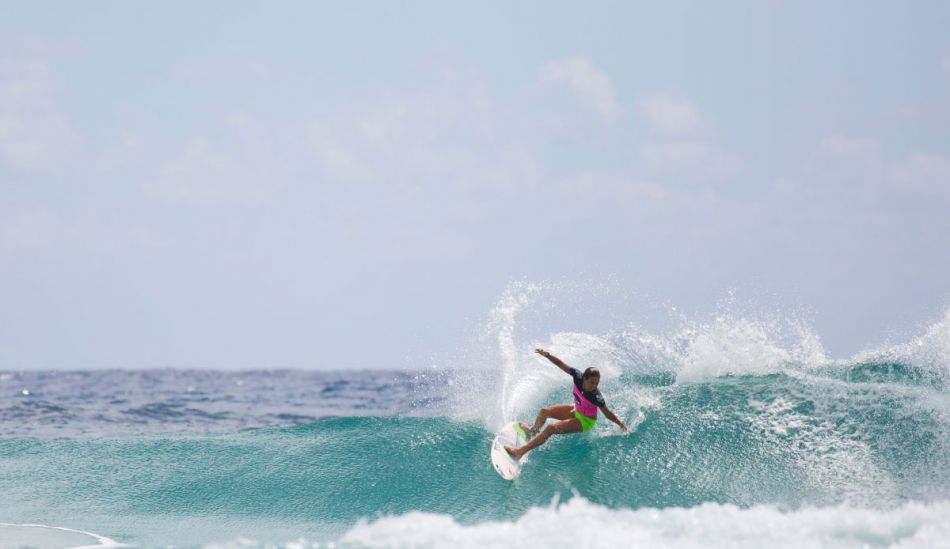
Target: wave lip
{"x":578,"y":522}
{"x":929,"y":352}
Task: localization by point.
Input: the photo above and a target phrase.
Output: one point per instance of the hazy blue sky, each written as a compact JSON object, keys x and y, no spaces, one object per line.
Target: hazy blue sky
{"x":303,"y":184}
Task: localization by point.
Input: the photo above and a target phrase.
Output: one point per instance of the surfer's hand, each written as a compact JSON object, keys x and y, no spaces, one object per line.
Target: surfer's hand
{"x":542,"y":352}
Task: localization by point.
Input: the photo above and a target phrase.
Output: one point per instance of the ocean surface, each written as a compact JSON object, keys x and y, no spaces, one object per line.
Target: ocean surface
{"x":741,"y":437}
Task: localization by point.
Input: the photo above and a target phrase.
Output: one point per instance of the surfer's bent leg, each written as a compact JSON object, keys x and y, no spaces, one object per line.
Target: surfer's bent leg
{"x":572,"y":425}
{"x":558,"y":411}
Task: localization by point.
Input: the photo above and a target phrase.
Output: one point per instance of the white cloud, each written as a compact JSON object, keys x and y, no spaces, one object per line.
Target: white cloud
{"x":34,"y":132}
{"x":849,"y":148}
{"x":691,"y":157}
{"x":669,"y":115}
{"x":245,"y":165}
{"x":852,"y":165}
{"x":590,"y":83}
{"x":384,"y":122}
{"x":202,"y":174}
{"x":28,"y":229}
{"x":353,"y":147}
{"x":680,"y":150}
{"x":857,"y":167}
{"x":858,"y":161}
{"x":450,"y":137}
{"x":236,"y":69}
{"x":595,"y":189}
{"x":195,"y":175}
{"x":335,"y":159}
{"x":924,"y":173}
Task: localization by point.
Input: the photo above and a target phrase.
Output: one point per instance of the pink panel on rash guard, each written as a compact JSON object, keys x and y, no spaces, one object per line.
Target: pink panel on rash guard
{"x":583,"y":405}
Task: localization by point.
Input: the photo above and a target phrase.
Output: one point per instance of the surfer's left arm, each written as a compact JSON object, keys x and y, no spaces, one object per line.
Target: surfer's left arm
{"x":610,"y":415}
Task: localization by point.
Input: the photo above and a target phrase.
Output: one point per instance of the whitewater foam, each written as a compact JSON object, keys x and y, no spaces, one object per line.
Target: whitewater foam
{"x":579,"y":523}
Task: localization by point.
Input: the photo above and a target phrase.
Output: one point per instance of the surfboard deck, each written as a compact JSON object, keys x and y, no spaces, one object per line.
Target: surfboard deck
{"x":511,"y":434}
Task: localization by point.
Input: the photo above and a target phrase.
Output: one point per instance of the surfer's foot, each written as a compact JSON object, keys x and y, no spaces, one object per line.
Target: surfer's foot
{"x":530,"y":431}
{"x":512,"y":451}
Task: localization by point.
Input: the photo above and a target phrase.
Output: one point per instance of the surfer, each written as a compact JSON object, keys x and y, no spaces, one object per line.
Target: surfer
{"x":571,"y":418}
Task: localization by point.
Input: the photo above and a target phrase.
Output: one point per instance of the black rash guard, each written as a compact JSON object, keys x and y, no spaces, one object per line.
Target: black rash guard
{"x":585,"y":402}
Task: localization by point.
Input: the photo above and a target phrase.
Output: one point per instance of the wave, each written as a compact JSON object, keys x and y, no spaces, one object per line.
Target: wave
{"x":863,"y":443}
{"x":743,"y":430}
{"x":790,"y":440}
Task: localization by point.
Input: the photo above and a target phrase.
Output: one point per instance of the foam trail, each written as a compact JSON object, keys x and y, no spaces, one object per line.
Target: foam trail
{"x":103,"y":541}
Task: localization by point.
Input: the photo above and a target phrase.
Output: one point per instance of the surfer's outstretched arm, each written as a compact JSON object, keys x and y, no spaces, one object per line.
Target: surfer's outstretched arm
{"x":610,"y":415}
{"x":555,"y":360}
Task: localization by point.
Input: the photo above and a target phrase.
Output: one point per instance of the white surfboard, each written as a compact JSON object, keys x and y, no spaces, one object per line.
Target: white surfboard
{"x":509,"y":435}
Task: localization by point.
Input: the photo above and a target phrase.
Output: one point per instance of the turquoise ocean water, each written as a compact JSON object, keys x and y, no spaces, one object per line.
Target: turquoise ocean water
{"x":738,"y":440}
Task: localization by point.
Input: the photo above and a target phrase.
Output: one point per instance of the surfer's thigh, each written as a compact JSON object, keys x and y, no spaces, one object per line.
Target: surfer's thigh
{"x":565,"y":426}
{"x":560,"y":411}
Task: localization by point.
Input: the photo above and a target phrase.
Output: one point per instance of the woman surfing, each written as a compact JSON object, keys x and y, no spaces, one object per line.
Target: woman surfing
{"x":572,"y":418}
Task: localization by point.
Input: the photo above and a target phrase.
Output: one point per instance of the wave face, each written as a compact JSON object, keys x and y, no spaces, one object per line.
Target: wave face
{"x":735,"y":422}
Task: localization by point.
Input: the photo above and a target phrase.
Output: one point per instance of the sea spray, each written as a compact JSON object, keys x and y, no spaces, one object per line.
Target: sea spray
{"x":503,"y":320}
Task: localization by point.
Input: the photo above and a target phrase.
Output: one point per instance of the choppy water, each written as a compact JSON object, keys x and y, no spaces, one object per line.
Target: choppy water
{"x":738,"y":439}
{"x":112,"y":403}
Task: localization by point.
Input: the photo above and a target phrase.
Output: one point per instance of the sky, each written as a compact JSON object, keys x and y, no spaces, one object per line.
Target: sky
{"x":354,"y":184}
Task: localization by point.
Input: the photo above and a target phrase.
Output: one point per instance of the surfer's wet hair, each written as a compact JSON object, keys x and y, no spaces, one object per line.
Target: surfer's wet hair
{"x":590,"y":372}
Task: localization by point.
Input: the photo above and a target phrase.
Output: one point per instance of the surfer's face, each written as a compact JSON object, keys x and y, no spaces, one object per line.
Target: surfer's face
{"x":590,"y":382}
